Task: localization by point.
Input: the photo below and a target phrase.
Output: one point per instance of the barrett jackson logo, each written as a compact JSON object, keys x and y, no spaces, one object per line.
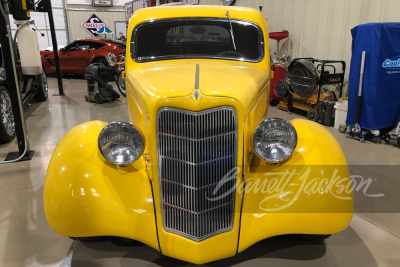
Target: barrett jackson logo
{"x":93,"y":24}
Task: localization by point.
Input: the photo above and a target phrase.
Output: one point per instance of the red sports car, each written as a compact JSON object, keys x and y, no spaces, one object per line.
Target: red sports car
{"x":75,"y":57}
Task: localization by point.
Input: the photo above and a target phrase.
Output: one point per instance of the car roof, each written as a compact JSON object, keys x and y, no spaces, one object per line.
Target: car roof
{"x":102,"y":40}
{"x":182,"y":11}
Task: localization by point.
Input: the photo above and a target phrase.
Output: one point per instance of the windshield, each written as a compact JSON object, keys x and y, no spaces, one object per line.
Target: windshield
{"x":200,"y":38}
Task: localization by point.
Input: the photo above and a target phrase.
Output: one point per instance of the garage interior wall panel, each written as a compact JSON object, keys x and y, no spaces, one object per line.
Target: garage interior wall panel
{"x":137,"y":5}
{"x":320,"y":28}
{"x":89,"y":2}
{"x":77,"y":17}
{"x":42,"y":22}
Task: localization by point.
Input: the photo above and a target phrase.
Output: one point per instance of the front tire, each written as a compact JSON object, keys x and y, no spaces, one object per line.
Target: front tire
{"x":87,"y":239}
{"x":7,"y":124}
{"x":313,"y":237}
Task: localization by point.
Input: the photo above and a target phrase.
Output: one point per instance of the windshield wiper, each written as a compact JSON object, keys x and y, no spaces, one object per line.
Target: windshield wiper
{"x":230,"y":23}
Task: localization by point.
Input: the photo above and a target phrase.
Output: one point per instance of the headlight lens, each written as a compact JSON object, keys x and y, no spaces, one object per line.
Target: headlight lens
{"x":111,"y":59}
{"x":274,"y":140}
{"x":121,"y":143}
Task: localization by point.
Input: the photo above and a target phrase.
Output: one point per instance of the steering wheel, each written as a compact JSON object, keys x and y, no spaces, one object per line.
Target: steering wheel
{"x":230,"y":53}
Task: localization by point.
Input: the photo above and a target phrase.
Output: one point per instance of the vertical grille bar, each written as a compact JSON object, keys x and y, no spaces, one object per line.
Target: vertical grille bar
{"x":196,"y":150}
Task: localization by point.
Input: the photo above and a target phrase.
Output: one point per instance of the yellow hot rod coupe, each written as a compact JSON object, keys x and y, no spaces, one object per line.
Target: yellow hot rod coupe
{"x":199,"y":173}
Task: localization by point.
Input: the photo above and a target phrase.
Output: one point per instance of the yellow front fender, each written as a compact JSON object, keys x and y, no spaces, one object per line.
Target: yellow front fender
{"x":310,"y":193}
{"x":84,"y":195}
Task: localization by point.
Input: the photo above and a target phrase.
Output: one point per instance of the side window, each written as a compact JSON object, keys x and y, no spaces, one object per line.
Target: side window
{"x":77,"y":46}
{"x":95,"y":45}
{"x":83,"y":45}
{"x":70,"y":47}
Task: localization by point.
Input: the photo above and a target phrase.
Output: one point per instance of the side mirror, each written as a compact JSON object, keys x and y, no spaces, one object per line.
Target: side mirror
{"x":111,"y":59}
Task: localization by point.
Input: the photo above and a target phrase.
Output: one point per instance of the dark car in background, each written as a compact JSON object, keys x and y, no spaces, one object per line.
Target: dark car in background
{"x":33,"y":88}
{"x":75,"y":57}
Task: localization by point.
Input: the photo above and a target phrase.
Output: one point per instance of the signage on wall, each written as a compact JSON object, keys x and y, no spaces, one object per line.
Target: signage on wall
{"x":93,"y":23}
{"x":192,"y":2}
{"x":129,"y":9}
{"x":228,"y":2}
{"x":104,"y":3}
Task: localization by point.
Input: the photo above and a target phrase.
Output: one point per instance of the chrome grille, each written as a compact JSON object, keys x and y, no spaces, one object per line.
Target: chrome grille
{"x":196,"y":150}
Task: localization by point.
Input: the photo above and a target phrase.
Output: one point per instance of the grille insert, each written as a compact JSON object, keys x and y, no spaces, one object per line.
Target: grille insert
{"x":196,"y":150}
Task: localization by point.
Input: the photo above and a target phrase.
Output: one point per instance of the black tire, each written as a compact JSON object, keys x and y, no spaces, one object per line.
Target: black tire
{"x":88,"y":239}
{"x":7,"y":124}
{"x":273,"y":102}
{"x":313,"y":237}
{"x":121,"y":84}
{"x":101,"y":60}
{"x":98,"y":98}
{"x":342,"y":128}
{"x":43,"y":87}
{"x":312,"y":115}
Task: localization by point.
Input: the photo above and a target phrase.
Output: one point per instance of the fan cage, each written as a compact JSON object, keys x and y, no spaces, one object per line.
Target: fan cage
{"x":303,"y":86}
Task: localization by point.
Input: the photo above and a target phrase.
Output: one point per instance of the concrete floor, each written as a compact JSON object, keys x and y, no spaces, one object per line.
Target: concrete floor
{"x":373,"y":239}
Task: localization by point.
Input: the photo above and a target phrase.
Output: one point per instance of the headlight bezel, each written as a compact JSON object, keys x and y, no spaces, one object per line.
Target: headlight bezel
{"x":120,"y":124}
{"x":268,"y":120}
{"x":111,"y":59}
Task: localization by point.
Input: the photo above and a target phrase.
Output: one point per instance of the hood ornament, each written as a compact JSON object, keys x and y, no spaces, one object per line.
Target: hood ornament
{"x":196,"y":85}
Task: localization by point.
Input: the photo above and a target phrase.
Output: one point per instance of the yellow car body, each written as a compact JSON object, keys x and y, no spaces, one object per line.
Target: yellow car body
{"x":86,"y":196}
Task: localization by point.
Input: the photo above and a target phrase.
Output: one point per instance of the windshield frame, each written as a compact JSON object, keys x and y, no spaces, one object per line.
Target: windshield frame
{"x":261,"y":41}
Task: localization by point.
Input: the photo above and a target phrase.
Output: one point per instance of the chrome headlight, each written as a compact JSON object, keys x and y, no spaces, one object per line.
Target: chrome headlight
{"x":121,"y":143}
{"x":274,"y":140}
{"x":111,"y":59}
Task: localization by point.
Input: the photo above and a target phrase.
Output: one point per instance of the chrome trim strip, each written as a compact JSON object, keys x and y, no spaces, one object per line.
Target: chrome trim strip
{"x":196,"y":84}
{"x":244,"y":22}
{"x":203,"y":148}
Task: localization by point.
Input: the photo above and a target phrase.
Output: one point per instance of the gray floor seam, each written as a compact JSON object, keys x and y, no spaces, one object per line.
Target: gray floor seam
{"x":357,"y":214}
{"x":21,"y":189}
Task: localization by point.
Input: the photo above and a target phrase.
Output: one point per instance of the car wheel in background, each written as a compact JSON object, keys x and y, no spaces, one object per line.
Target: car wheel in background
{"x":121,"y":84}
{"x":7,"y":124}
{"x":43,"y":87}
{"x":101,"y":60}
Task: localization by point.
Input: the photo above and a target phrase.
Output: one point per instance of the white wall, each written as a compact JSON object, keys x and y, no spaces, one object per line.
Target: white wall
{"x":321,"y":28}
{"x":89,"y":2}
{"x":77,"y":17}
{"x":318,"y":28}
{"x":79,"y":10}
{"x":42,"y":23}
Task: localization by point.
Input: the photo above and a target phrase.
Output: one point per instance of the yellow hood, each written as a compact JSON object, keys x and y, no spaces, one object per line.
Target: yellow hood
{"x":216,"y":78}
